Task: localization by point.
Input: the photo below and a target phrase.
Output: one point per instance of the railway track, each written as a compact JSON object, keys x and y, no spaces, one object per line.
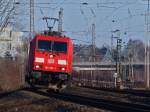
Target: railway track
{"x":3,"y":94}
{"x":101,"y":103}
{"x":98,"y":94}
{"x":142,"y":93}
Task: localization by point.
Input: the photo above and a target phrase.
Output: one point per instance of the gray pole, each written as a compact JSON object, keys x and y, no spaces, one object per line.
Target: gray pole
{"x":93,"y":42}
{"x":93,"y":52}
{"x":118,"y":60}
{"x":60,"y":20}
{"x":10,"y":44}
{"x":31,"y":17}
{"x":147,"y":77}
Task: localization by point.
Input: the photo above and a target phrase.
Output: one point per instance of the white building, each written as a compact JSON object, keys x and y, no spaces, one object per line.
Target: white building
{"x":10,"y":41}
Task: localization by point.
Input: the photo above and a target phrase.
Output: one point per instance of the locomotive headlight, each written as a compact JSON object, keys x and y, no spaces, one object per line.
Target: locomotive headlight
{"x":40,"y":60}
{"x":62,"y":62}
{"x":51,"y":56}
{"x":37,"y":66}
{"x":63,"y":69}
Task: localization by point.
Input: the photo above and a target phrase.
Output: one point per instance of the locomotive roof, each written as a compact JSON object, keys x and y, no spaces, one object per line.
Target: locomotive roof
{"x":56,"y":38}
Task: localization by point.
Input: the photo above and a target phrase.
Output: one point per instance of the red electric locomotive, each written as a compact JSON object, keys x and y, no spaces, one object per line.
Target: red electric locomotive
{"x":50,"y":60}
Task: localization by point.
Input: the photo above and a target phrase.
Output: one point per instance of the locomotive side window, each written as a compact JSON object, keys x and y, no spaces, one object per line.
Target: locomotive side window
{"x":60,"y":47}
{"x":44,"y":45}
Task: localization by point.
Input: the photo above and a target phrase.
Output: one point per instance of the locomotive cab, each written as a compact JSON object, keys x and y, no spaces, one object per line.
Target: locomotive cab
{"x":50,"y":60}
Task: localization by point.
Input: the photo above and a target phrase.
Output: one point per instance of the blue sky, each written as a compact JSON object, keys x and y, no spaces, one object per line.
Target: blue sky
{"x":108,"y":15}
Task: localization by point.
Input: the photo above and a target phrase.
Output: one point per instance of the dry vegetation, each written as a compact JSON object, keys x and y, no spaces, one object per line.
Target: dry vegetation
{"x":10,"y":74}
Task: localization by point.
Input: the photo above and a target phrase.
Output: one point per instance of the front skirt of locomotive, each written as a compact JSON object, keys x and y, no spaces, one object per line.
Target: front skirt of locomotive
{"x":39,"y":77}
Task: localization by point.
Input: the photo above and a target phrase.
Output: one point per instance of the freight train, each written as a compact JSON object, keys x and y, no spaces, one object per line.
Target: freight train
{"x":50,"y":60}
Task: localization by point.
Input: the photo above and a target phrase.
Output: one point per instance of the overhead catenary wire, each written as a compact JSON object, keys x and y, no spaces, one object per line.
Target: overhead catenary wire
{"x":79,"y":3}
{"x":42,"y":4}
{"x":112,"y":13}
{"x":5,"y":19}
{"x":5,"y":9}
{"x":85,"y":18}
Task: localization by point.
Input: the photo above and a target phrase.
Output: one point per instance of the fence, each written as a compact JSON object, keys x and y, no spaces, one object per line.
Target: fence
{"x":104,"y":77}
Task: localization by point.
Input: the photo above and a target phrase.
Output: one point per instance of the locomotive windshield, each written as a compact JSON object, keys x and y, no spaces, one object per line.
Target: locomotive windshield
{"x":54,"y":46}
{"x":44,"y":45}
{"x":60,"y":47}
